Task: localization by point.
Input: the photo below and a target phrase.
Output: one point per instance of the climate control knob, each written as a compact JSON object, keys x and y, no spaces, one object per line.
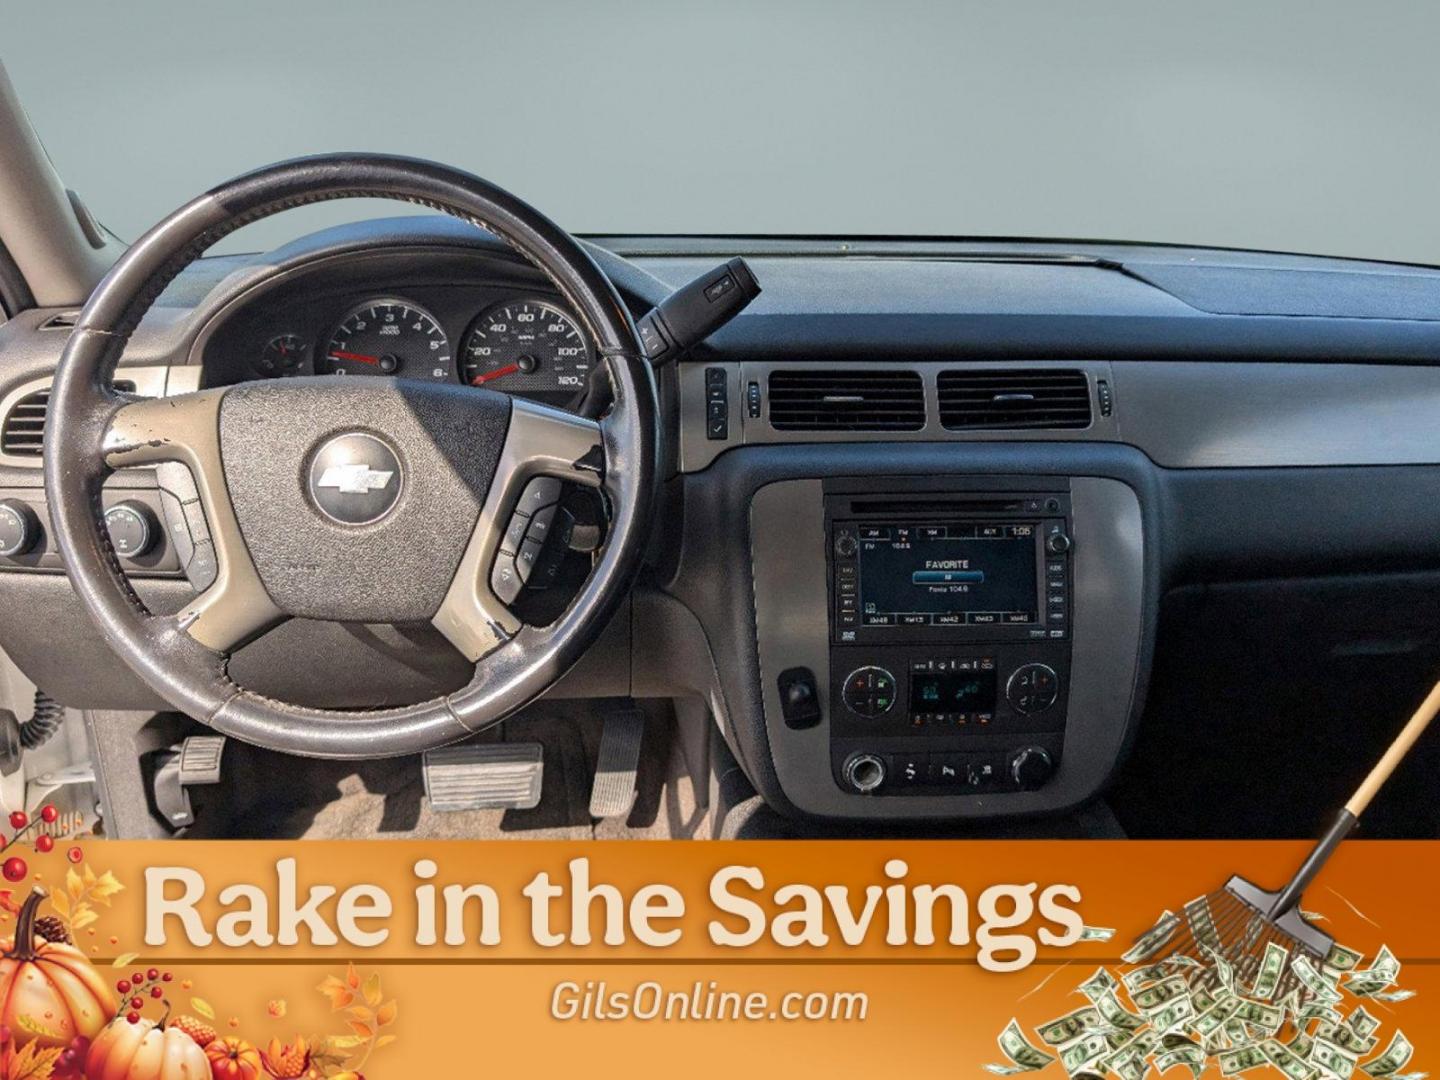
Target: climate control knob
{"x":865,"y":773}
{"x":19,"y":528}
{"x":869,"y":692}
{"x":132,"y":527}
{"x":1031,"y":767}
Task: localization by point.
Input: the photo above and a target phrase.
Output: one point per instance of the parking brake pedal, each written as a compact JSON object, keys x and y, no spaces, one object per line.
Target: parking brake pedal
{"x":195,"y":761}
{"x":484,"y":776}
{"x":619,"y":763}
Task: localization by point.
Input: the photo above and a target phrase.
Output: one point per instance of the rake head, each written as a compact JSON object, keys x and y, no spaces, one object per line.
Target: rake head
{"x":1235,"y":925}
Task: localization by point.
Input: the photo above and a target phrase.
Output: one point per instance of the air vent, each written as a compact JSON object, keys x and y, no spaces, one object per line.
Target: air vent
{"x":834,"y":400}
{"x":22,"y":433}
{"x":975,"y":400}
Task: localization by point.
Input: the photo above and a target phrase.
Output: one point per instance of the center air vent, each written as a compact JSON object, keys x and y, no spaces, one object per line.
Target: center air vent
{"x":972,"y":400}
{"x":841,"y":400}
{"x":22,"y":433}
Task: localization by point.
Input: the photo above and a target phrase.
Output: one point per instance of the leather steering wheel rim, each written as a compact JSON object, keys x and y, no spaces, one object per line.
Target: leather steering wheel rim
{"x":93,"y":430}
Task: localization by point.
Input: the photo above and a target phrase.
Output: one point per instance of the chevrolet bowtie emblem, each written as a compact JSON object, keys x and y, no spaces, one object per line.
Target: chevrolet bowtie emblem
{"x":355,"y":479}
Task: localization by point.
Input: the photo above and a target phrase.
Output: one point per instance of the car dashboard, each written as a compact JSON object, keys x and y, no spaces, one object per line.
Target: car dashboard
{"x":933,"y":513}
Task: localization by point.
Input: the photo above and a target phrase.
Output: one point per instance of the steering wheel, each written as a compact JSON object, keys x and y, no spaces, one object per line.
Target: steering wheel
{"x":356,"y":500}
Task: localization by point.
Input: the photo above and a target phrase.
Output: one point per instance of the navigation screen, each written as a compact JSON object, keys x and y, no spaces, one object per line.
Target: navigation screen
{"x":946,"y":575}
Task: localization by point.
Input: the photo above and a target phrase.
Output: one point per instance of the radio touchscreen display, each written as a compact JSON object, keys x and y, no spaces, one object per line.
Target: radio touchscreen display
{"x":947,"y":575}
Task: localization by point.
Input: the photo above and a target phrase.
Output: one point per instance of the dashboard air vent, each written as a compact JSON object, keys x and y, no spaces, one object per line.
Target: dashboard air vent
{"x":22,"y":432}
{"x":838,"y":400}
{"x":1011,"y":398}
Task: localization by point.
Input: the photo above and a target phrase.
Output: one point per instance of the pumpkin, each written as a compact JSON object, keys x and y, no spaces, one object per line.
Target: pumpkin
{"x":233,"y":1059}
{"x":51,"y":985}
{"x":145,"y":1050}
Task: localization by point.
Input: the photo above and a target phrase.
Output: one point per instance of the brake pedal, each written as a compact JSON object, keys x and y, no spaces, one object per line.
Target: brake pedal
{"x":196,"y":761}
{"x":619,"y":764}
{"x":484,"y":776}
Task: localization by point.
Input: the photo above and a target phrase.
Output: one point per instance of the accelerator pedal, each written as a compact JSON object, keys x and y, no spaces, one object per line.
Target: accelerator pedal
{"x":484,"y":776}
{"x":619,"y":763}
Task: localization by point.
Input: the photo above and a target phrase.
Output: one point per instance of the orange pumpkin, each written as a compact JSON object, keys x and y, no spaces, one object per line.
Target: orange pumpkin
{"x":145,"y":1051}
{"x":233,"y":1059}
{"x":50,"y":984}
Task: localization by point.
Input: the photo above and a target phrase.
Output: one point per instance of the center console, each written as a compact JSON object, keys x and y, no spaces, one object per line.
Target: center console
{"x":947,"y":645}
{"x":949,"y":620}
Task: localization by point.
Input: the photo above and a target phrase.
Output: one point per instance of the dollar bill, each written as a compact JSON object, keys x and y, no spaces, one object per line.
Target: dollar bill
{"x":1071,"y":1026}
{"x":1267,"y":1017}
{"x":1083,"y":1052}
{"x":1346,"y":1038}
{"x":1342,"y":959}
{"x":1162,"y":993}
{"x":1153,"y":940}
{"x":1272,"y":966}
{"x":1213,"y":1019}
{"x":1302,"y":1044}
{"x":1096,"y":933}
{"x":1147,"y":973}
{"x":1287,"y":1061}
{"x":1023,"y":1057}
{"x":1396,"y":1056}
{"x":1173,"y":1015}
{"x":1102,"y":982}
{"x":1240,"y":1059}
{"x":1223,"y":971}
{"x":1116,"y":1015}
{"x":1191,"y":1056}
{"x":1313,"y":981}
{"x":1334,"y":1059}
{"x":1382,"y":973}
{"x":1391,"y":996}
{"x":1361,"y":1022}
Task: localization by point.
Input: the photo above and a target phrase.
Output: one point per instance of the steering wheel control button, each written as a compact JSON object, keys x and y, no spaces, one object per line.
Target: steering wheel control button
{"x":864,"y":773}
{"x":355,"y":479}
{"x":202,"y":568}
{"x":133,"y":529}
{"x":540,"y":492}
{"x":19,"y":529}
{"x":1030,"y":768}
{"x":505,"y":580}
{"x":869,"y":692}
{"x":526,"y":557}
{"x":1032,"y":688}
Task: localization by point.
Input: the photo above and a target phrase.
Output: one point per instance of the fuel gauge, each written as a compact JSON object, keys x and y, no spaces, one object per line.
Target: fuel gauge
{"x":282,"y":355}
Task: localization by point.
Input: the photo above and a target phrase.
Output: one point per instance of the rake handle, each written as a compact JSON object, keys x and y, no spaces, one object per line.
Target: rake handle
{"x":1345,"y":822}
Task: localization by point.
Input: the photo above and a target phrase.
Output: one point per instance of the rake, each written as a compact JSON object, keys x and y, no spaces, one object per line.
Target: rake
{"x":1239,"y":921}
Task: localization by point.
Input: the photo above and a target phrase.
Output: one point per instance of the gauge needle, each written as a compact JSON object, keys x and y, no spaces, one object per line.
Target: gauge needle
{"x":338,"y":355}
{"x":508,"y":369}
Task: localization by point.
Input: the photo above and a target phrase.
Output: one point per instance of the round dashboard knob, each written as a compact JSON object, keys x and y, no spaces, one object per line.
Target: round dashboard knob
{"x":132,"y":528}
{"x":1057,"y":543}
{"x":19,"y":528}
{"x":845,"y":545}
{"x":1031,"y":767}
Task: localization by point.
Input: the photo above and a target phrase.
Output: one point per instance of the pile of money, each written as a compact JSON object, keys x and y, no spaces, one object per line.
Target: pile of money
{"x":1200,"y":1011}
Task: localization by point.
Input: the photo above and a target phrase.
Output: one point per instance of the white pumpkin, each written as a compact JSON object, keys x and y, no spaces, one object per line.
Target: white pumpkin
{"x":145,"y":1051}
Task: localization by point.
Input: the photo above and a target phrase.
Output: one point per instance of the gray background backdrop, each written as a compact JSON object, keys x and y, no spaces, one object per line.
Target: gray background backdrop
{"x":1297,"y":126}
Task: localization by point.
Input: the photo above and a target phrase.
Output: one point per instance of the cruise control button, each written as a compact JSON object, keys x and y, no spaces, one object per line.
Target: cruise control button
{"x":541,"y":491}
{"x":540,"y":524}
{"x":514,"y":532}
{"x":202,"y":568}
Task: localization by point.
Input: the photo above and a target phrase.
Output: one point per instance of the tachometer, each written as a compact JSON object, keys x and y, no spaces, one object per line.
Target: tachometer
{"x":389,"y":337}
{"x":533,"y":348}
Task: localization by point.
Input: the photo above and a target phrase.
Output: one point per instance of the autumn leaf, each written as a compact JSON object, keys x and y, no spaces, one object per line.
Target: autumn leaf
{"x":60,"y":902}
{"x":339,"y":994}
{"x":84,"y":915}
{"x":352,"y":977}
{"x":360,"y":1012}
{"x":386,"y":1013}
{"x":105,"y":887}
{"x":124,"y":959}
{"x":336,"y":1045}
{"x":73,"y":885}
{"x":365,"y":1031}
{"x":372,"y":989}
{"x":33,"y":1063}
{"x":203,"y":1007}
{"x":35,"y":1027}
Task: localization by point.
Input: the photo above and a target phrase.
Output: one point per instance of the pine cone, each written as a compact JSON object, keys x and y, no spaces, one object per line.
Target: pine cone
{"x":52,"y":929}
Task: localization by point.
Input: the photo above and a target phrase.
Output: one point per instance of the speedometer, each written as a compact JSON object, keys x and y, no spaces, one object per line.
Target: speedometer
{"x":532,"y":348}
{"x":389,"y":337}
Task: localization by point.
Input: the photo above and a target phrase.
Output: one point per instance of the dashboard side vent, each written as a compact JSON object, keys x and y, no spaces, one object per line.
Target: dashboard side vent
{"x":22,"y":432}
{"x":1013,"y":398}
{"x":61,"y":320}
{"x":838,"y":400}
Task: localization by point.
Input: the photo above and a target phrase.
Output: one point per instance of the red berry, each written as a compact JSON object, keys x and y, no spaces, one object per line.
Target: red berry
{"x":133,"y":1017}
{"x":123,"y":986}
{"x":75,"y":855}
{"x":4,"y":1033}
{"x":44,"y":843}
{"x":138,"y":978}
{"x":15,"y":869}
{"x":48,"y":813}
{"x":166,"y":977}
{"x":156,"y":992}
{"x":152,"y":974}
{"x":137,"y":1002}
{"x":19,"y":819}
{"x":68,"y":1058}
